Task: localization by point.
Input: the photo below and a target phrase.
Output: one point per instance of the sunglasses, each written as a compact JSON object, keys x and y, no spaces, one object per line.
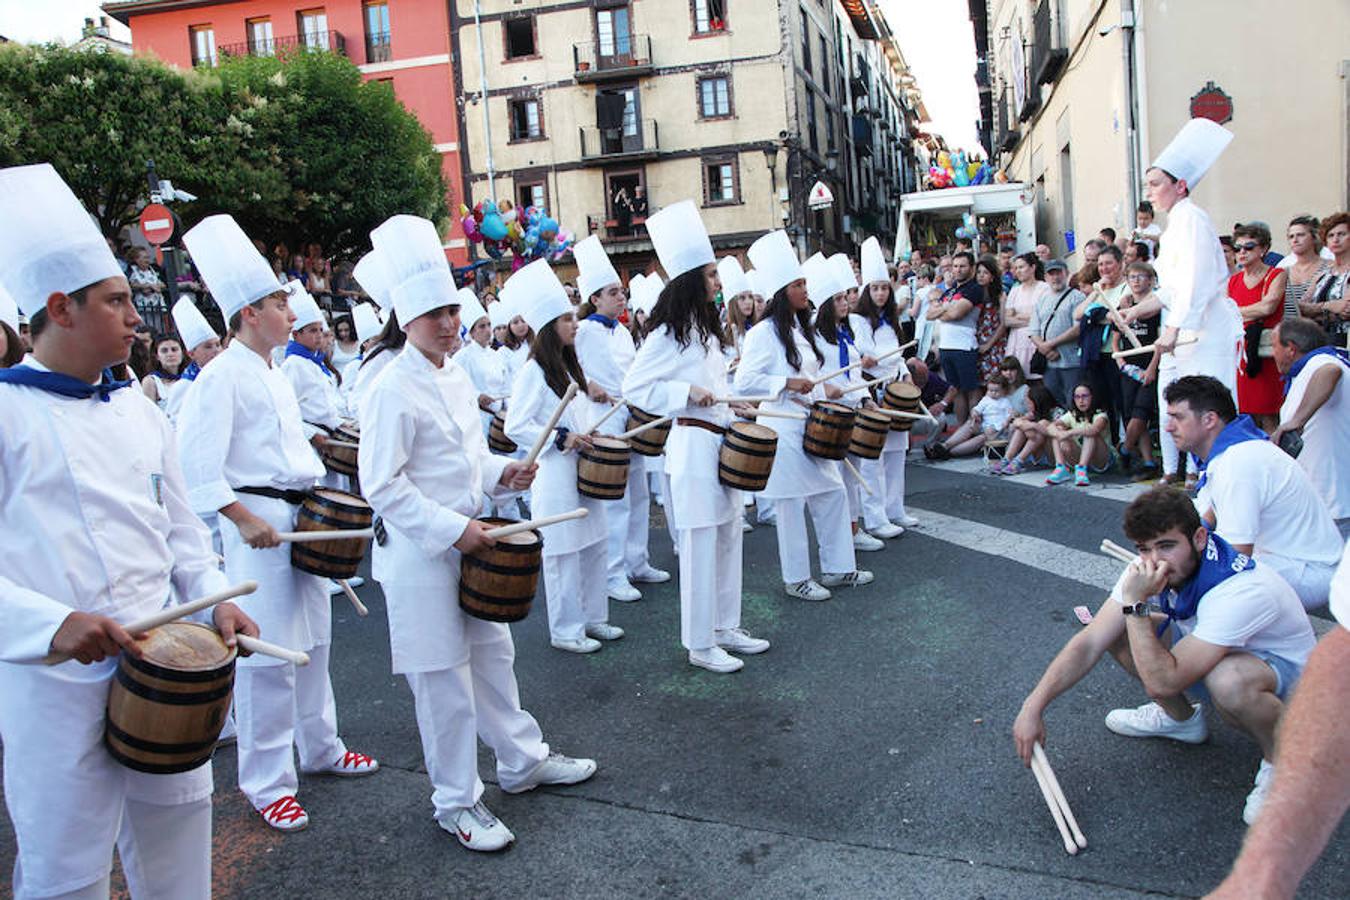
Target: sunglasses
{"x":1249,"y":245}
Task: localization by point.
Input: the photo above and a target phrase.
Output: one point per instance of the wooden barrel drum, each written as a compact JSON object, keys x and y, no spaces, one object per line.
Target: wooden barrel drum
{"x":828,"y":430}
{"x":343,"y":459}
{"x":602,"y":469}
{"x":651,"y":442}
{"x":165,"y":711}
{"x":869,"y":434}
{"x":498,"y":584}
{"x":746,"y":457}
{"x":498,"y":442}
{"x":902,"y":396}
{"x":328,"y":509}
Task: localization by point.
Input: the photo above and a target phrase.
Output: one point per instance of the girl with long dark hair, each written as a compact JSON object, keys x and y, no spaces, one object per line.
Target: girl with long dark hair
{"x":164,"y":382}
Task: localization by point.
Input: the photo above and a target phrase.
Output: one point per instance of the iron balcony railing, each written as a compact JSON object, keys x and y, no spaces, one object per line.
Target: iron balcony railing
{"x":620,"y":56}
{"x":331,"y":41}
{"x":640,"y":138}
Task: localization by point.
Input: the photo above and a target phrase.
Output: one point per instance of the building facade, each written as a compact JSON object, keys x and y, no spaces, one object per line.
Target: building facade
{"x":1085,"y":93}
{"x":403,"y":42}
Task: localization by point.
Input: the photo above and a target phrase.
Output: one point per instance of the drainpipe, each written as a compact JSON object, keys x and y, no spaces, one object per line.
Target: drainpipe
{"x":1127,"y":46}
{"x":483,"y":98}
{"x":1141,"y":139}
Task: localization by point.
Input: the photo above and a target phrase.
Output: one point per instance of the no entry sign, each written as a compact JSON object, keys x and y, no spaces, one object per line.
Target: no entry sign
{"x":157,"y":223}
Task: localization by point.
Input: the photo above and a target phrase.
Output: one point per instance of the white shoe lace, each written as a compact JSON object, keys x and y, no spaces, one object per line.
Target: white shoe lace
{"x":482,"y":814}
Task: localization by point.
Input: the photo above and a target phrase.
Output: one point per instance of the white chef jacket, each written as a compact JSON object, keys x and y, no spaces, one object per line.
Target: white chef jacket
{"x":555,"y":486}
{"x":424,"y":469}
{"x":606,"y":355}
{"x":764,"y":370}
{"x":317,"y":394}
{"x":487,"y":369}
{"x":1326,"y":436}
{"x":876,"y":343}
{"x":1193,"y":285}
{"x":369,"y":369}
{"x":515,"y":359}
{"x":847,"y":380}
{"x":659,"y":383}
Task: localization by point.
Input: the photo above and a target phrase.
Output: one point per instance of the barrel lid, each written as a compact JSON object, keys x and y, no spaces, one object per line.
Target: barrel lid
{"x":342,"y":498}
{"x":520,"y":538}
{"x":753,"y":429}
{"x":609,"y":443}
{"x":904,"y":389}
{"x":186,"y":646}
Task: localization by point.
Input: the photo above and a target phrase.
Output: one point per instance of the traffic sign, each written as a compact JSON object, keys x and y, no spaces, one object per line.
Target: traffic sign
{"x":157,"y":223}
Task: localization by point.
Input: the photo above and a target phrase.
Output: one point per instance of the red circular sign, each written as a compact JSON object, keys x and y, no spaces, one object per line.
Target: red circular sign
{"x":157,"y":223}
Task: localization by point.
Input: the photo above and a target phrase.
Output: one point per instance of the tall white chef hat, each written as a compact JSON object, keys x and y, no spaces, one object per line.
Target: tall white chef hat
{"x":372,"y":273}
{"x":470,"y":310}
{"x":49,"y":242}
{"x":419,"y":273}
{"x":536,"y":293}
{"x":734,"y":281}
{"x":9,"y":310}
{"x":594,"y":270}
{"x":192,"y":325}
{"x":824,"y":279}
{"x":843,"y":267}
{"x":873,"y":264}
{"x":366,"y":321}
{"x":231,"y":266}
{"x":776,"y":262}
{"x":499,"y":313}
{"x":647,"y":292}
{"x":303,"y":304}
{"x":680,"y":239}
{"x":1196,"y":147}
{"x":757,"y":283}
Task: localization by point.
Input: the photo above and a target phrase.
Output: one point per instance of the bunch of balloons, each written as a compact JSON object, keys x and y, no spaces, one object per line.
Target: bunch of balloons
{"x":955,"y":170}
{"x":968,"y":228}
{"x":529,"y":234}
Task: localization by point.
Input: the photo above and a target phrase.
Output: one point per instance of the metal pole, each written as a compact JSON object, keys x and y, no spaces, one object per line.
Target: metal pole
{"x":483,"y":98}
{"x":1131,"y":110}
{"x":167,"y":251}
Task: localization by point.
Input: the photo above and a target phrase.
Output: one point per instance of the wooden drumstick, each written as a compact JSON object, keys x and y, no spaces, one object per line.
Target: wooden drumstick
{"x":618,"y":405}
{"x":333,"y":442}
{"x":517,"y":527}
{"x":1117,"y":552}
{"x":928,"y":413}
{"x":898,"y":414}
{"x":819,"y":379}
{"x":1069,"y":846}
{"x":547,"y":432}
{"x":773,"y":414}
{"x":864,"y":385}
{"x":654,"y":423}
{"x":1038,"y":755}
{"x":172,"y":614}
{"x":1137,"y":351}
{"x":848,"y":464}
{"x":257,"y":645}
{"x":351,"y":595}
{"x":301,"y":537}
{"x":744,"y":399}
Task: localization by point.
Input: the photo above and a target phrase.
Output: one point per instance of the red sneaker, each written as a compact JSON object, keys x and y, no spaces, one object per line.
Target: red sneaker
{"x":352,"y":763}
{"x":285,"y":814}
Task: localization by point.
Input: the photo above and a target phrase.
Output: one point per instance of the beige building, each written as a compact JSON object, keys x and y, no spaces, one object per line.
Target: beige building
{"x":740,"y":104}
{"x":1085,"y":93}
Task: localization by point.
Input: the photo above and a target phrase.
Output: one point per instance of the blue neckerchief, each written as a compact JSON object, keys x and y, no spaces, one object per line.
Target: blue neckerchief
{"x":1337,"y":353}
{"x":65,"y":385}
{"x":884,"y":319}
{"x":1218,"y":563}
{"x":1238,"y":431}
{"x":845,"y":340}
{"x":603,"y":320}
{"x":191,"y":372}
{"x":295,"y":348}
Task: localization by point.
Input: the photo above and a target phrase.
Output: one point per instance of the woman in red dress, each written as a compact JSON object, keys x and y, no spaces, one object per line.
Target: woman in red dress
{"x":1258,"y":290}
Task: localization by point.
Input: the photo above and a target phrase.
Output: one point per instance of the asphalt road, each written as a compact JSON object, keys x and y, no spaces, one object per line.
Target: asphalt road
{"x":866,"y":755}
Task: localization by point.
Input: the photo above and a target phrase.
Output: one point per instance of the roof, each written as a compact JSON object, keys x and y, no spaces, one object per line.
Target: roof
{"x":123,"y":10}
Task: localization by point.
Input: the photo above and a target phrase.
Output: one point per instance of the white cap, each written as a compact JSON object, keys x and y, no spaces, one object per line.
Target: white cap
{"x":734,"y":281}
{"x":470,"y":310}
{"x":48,"y":241}
{"x":756,"y":283}
{"x":192,"y":325}
{"x":535,"y":293}
{"x":372,"y":274}
{"x":843,"y":268}
{"x":1195,"y":148}
{"x":873,"y":264}
{"x":233,"y":269}
{"x":366,"y":321}
{"x":680,"y":239}
{"x":415,"y":261}
{"x":499,"y":313}
{"x":303,"y":304}
{"x":595,"y":271}
{"x":647,"y":292}
{"x":824,"y":280}
{"x":9,"y":310}
{"x":775,"y":261}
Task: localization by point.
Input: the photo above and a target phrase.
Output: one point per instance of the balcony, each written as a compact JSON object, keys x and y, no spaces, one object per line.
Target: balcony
{"x":641,"y":141}
{"x":862,"y":135}
{"x":610,"y":228}
{"x":332,"y":41}
{"x":378,"y":49}
{"x":625,"y":56}
{"x":861,"y":79}
{"x":1047,"y":57}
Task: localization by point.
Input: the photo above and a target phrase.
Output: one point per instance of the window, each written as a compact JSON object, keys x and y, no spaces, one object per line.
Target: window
{"x":259,"y":37}
{"x":714,"y":97}
{"x":613,"y":28}
{"x":203,"y":39}
{"x":829,"y":130}
{"x":531,"y":193}
{"x":313,"y":27}
{"x":527,"y":120}
{"x":824,"y":64}
{"x":806,"y":42}
{"x":812,"y":140}
{"x":709,"y":16}
{"x":721,"y":181}
{"x":377,"y":31}
{"x":519,"y":35}
{"x":1066,"y":191}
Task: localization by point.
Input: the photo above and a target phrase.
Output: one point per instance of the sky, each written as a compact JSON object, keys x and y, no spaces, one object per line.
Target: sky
{"x":30,"y":21}
{"x":939,"y":44}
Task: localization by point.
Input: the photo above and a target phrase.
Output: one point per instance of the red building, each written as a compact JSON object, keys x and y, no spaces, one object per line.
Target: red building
{"x":408,"y":47}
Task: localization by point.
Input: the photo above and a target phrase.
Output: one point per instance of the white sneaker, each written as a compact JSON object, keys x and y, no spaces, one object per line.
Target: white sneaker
{"x":887,"y":531}
{"x":1265,"y":776}
{"x":746,"y":526}
{"x":715,"y":659}
{"x":1149,"y":720}
{"x":335,"y":589}
{"x":908,"y":521}
{"x":806,"y":590}
{"x":604,"y":631}
{"x":649,"y":574}
{"x":737,"y":640}
{"x":856,"y":578}
{"x":478,"y":829}
{"x":557,"y":769}
{"x":622,"y":591}
{"x":355,"y":582}
{"x":576,"y":645}
{"x":865,"y":542}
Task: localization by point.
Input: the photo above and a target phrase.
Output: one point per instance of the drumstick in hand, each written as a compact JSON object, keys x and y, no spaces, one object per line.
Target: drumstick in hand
{"x":547,"y":433}
{"x":605,"y":418}
{"x":257,"y":645}
{"x":1070,"y":846}
{"x":301,"y":537}
{"x":517,"y":527}
{"x":351,"y":595}
{"x":1038,"y":756}
{"x":853,"y":470}
{"x":654,"y":423}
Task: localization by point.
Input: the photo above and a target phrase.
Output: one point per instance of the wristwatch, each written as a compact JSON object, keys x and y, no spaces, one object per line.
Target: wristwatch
{"x":1135,"y":609}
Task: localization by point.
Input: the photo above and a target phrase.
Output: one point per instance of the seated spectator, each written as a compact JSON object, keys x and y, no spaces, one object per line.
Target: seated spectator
{"x":1251,"y":492}
{"x":935,"y":394}
{"x":1317,"y":409}
{"x":988,"y":422}
{"x":164,"y":382}
{"x":1229,"y":252}
{"x":345,"y":345}
{"x":1011,"y":370}
{"x":1141,"y":311}
{"x":1237,"y":632}
{"x":1029,"y":433}
{"x":1328,"y":303}
{"x":1079,"y":438}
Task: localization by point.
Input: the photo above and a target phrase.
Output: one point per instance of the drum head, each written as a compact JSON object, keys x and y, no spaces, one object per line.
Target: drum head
{"x":520,"y":539}
{"x":754,"y":431}
{"x":609,"y":443}
{"x":904,"y":390}
{"x":837,"y":409}
{"x":342,"y":498}
{"x":186,"y":647}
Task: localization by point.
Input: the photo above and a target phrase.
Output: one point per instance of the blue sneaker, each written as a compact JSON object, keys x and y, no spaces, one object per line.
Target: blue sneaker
{"x":1060,"y":475}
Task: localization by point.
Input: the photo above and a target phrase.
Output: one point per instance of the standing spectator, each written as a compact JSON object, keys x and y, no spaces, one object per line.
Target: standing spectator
{"x":1329,"y":303}
{"x":1028,"y":291}
{"x":1137,"y":251}
{"x":1080,"y":439}
{"x":1005,"y":258}
{"x":346,"y":292}
{"x":147,"y":285}
{"x":990,"y":331}
{"x":1043,"y":253}
{"x":1093,"y":316}
{"x":1258,"y":290}
{"x":1145,"y":229}
{"x":1054,"y":332}
{"x":1141,"y":312}
{"x":1082,"y":277}
{"x":11,"y":346}
{"x":1107,"y":236}
{"x":318,"y":276}
{"x":957,"y":310}
{"x":1304,"y":263}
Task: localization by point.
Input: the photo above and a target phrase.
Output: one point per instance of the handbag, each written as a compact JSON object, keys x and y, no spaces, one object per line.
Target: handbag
{"x":1039,"y":361}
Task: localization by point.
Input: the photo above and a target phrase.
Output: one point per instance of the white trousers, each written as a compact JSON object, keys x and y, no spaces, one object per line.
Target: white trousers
{"x":275,"y":708}
{"x":1168,"y":374}
{"x":627,"y":522}
{"x":851,"y":488}
{"x":710,"y":582}
{"x":476,"y":698}
{"x":834,"y":536}
{"x":574,"y":586}
{"x":886,"y":478}
{"x":1310,"y":580}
